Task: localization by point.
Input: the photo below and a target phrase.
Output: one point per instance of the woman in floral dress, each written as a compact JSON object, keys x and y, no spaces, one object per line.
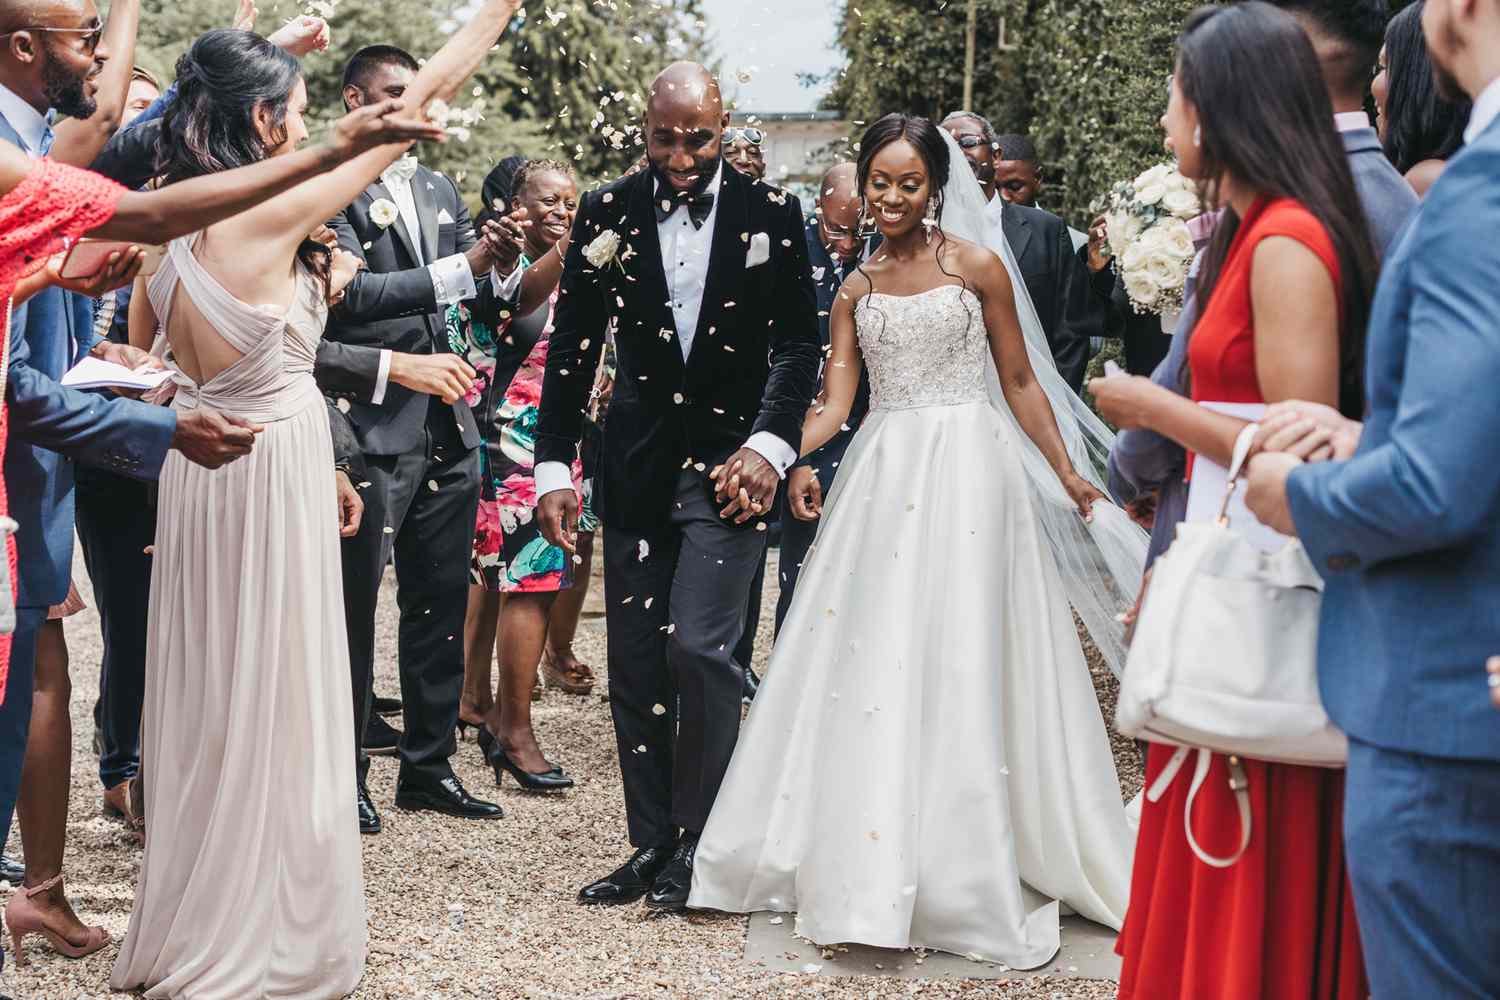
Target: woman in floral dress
{"x":515,"y":574}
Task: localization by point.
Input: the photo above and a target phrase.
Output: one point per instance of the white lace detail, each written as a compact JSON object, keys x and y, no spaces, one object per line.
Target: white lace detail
{"x":928,"y":349}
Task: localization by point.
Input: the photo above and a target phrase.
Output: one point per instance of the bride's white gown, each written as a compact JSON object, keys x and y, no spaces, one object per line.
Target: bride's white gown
{"x":927,"y":737}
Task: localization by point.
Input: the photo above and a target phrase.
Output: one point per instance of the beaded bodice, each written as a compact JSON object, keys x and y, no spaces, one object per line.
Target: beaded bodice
{"x":927,"y":349}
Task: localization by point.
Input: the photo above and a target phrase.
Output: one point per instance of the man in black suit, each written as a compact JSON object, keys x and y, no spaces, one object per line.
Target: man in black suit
{"x":706,"y":274}
{"x":1043,"y":248}
{"x":421,"y":452}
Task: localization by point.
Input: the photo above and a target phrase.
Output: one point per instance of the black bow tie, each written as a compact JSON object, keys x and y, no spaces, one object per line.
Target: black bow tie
{"x":698,"y":205}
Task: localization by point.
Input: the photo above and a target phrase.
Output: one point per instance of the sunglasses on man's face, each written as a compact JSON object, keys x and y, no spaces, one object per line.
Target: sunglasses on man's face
{"x":753,"y":136}
{"x":90,"y":36}
{"x":971,"y":141}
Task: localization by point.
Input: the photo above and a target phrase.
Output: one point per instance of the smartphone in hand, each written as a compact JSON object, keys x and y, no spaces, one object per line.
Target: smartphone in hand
{"x":86,"y":257}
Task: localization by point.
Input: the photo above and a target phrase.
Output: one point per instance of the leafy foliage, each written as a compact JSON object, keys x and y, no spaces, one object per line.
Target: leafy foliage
{"x":541,"y":88}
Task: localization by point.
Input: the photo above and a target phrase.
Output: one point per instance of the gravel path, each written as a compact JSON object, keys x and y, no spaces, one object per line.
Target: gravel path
{"x":519,"y":933}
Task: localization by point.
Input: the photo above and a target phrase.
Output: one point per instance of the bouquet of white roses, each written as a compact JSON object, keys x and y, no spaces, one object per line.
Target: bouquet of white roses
{"x":1149,"y":237}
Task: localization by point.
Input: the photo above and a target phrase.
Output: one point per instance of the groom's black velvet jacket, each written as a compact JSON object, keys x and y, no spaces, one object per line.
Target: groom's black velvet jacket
{"x":754,"y":358}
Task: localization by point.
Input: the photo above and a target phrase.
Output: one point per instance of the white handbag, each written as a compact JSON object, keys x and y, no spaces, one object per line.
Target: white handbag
{"x":1224,"y":659}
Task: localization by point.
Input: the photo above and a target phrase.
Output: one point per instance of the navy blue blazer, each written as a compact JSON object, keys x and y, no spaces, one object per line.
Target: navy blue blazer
{"x":51,"y":427}
{"x":1407,"y":532}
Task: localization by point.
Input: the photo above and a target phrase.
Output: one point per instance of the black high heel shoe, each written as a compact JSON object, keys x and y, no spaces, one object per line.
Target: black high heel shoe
{"x":554,"y":780}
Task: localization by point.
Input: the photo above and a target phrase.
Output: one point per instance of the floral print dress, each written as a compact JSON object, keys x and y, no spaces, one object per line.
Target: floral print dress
{"x":510,"y":357}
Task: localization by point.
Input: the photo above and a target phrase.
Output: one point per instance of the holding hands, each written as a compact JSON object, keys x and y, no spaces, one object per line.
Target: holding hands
{"x":746,"y":484}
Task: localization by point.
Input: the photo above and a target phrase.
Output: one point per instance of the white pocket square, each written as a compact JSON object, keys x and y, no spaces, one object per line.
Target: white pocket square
{"x":444,"y":218}
{"x":759,"y":252}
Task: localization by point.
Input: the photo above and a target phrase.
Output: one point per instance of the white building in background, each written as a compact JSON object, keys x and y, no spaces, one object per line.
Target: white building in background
{"x":799,"y":146}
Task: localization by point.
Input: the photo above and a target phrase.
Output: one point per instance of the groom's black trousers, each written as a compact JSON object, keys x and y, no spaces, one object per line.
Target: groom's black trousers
{"x":420,"y":507}
{"x":674,"y":619}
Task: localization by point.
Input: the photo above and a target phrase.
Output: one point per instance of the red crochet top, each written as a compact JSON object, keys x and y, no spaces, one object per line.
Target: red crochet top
{"x":54,"y":203}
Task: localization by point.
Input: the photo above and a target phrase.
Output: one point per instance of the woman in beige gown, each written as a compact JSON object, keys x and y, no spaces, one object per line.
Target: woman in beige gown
{"x":251,"y":885}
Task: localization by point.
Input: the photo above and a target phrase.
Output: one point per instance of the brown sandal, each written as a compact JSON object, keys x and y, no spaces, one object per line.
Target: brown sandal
{"x":579,"y":683}
{"x":127,"y":802}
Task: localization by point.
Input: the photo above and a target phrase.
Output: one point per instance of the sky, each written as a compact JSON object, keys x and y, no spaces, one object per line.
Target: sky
{"x":773,"y":41}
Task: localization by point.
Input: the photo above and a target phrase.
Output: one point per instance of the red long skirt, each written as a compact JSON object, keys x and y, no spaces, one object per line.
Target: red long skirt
{"x":1278,"y":925}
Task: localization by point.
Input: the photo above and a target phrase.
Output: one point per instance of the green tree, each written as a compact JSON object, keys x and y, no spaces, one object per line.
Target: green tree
{"x":540,"y":93}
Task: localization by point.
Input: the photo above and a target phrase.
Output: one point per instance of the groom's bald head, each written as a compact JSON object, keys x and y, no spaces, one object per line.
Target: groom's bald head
{"x":684,"y":124}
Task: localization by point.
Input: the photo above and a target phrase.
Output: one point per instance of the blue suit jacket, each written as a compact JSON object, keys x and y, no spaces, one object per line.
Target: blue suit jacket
{"x":1407,"y":532}
{"x":51,"y":426}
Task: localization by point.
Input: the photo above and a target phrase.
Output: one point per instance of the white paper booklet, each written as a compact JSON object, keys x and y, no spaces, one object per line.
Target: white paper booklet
{"x":1206,"y":492}
{"x":96,"y":373}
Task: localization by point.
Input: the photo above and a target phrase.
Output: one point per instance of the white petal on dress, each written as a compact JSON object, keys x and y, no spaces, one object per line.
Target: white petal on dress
{"x":251,"y":886}
{"x":927,"y":737}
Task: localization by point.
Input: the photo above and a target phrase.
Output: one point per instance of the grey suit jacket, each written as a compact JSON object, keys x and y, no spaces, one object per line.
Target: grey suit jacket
{"x":1387,"y":199}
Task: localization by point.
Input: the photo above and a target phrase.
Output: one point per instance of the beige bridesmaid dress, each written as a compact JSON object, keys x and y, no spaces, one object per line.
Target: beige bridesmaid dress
{"x":251,"y":886}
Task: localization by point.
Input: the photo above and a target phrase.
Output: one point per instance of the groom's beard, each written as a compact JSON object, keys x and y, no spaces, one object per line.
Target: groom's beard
{"x":705,"y":178}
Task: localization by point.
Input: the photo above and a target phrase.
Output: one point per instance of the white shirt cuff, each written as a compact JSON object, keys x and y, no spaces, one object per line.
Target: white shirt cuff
{"x":551,"y":477}
{"x":774,"y":450}
{"x":382,"y":379}
{"x":508,"y":289}
{"x":452,"y":279}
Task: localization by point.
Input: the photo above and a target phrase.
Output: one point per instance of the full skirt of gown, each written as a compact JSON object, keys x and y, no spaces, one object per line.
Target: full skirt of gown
{"x":251,"y":885}
{"x":927,"y":737}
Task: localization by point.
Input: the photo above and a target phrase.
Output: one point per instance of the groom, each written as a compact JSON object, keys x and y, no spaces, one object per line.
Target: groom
{"x":706,"y":274}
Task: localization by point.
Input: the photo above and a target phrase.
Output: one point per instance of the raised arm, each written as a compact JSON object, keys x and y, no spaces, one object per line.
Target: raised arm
{"x":77,"y":141}
{"x":191,"y":205}
{"x":311,"y":204}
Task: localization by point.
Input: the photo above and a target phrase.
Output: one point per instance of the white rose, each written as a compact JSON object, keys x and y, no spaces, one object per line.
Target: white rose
{"x":384,"y":213}
{"x":1152,"y":193}
{"x":1141,"y":288}
{"x":1134,"y":257}
{"x":1179,"y":241}
{"x":1154,"y":238}
{"x":1182,"y":183}
{"x":603,"y":249}
{"x":1156,"y":175}
{"x":1183,"y":204}
{"x":1165,"y":270}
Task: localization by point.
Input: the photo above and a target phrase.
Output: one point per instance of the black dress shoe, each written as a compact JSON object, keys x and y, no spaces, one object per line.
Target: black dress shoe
{"x":630,"y":881}
{"x":447,"y":796}
{"x":381,"y":738}
{"x":385,"y":706}
{"x":669,"y":892}
{"x":369,"y":819}
{"x":752,"y":685}
{"x":11,"y":870}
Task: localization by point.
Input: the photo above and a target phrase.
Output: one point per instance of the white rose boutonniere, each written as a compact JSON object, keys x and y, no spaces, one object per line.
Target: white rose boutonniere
{"x":384,"y":213}
{"x":604,"y":250}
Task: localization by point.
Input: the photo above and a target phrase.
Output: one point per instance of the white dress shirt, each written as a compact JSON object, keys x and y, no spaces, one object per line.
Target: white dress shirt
{"x":685,"y":254}
{"x":30,"y":124}
{"x":452,"y":277}
{"x":1351,"y":121}
{"x":1486,"y":110}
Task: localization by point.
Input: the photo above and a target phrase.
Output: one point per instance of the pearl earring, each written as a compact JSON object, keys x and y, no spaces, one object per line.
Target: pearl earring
{"x":1197,"y":135}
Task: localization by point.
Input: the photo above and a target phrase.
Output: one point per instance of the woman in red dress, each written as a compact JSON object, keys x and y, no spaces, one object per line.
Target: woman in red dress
{"x":1286,"y":286}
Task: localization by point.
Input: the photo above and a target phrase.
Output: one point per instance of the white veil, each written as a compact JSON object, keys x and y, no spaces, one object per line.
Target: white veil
{"x":1100,"y":562}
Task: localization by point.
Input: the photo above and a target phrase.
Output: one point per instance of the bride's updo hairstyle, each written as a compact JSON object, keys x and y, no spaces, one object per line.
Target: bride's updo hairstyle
{"x":222,"y":80}
{"x":927,"y":139}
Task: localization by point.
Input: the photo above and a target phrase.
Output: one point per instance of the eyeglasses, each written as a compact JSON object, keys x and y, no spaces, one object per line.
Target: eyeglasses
{"x":971,"y":141}
{"x":91,"y":36}
{"x":753,"y":136}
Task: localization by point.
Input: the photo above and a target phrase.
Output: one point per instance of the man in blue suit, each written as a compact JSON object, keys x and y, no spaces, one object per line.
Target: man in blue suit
{"x":1407,"y":535}
{"x":42,"y":71}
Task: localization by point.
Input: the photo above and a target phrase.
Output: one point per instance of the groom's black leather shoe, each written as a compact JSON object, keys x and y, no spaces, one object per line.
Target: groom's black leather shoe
{"x":447,"y":796}
{"x":369,"y":819}
{"x":630,"y":881}
{"x":670,"y":891}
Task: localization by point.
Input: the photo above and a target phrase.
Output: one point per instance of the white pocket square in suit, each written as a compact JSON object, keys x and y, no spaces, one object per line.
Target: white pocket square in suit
{"x":444,"y":219}
{"x":759,"y":252}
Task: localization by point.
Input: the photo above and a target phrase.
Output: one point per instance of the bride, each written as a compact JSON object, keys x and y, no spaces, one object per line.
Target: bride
{"x":928,"y":738}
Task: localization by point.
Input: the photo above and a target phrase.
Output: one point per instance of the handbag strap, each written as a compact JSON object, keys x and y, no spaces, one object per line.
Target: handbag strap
{"x":1236,"y":468}
{"x":1239,"y":784}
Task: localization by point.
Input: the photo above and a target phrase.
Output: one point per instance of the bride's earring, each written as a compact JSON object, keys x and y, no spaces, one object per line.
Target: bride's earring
{"x":1197,"y":136}
{"x":930,"y":220}
{"x":866,"y":220}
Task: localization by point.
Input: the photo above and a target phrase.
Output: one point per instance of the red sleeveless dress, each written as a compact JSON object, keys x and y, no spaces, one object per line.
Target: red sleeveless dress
{"x":1279,"y":924}
{"x":54,"y":202}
